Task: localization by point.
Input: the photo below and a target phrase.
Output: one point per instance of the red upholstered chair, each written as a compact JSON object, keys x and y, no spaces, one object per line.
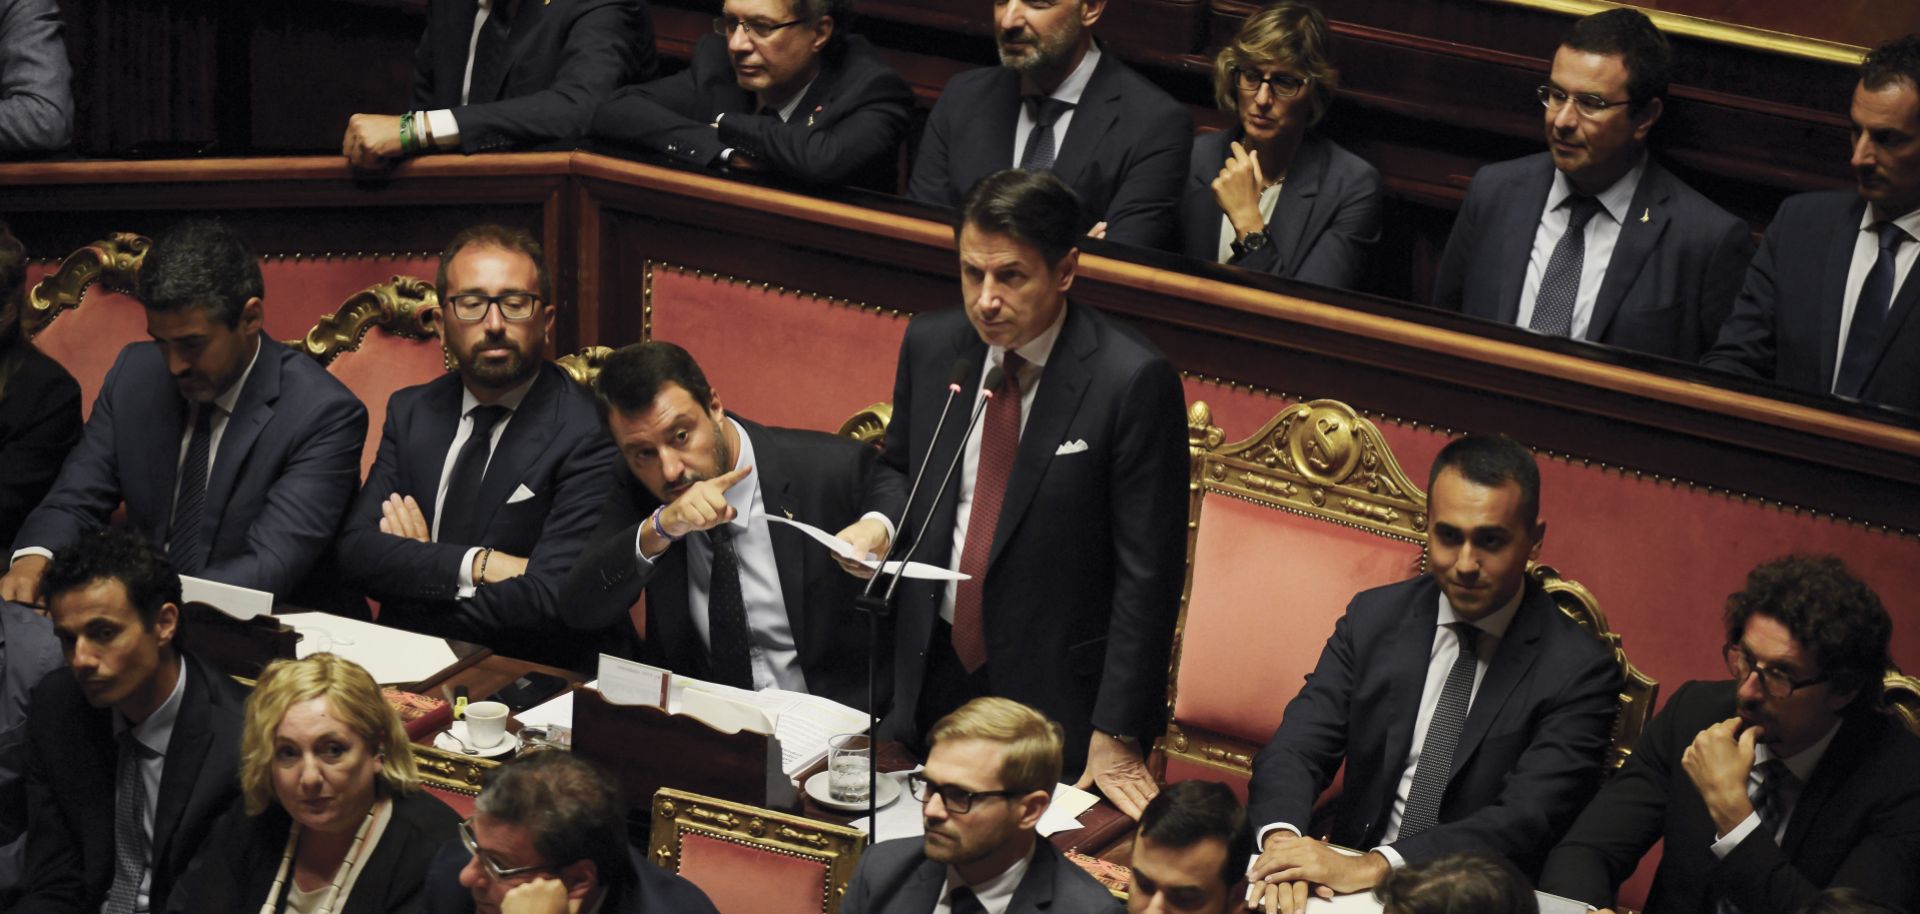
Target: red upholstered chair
{"x":869,"y":426}
{"x":754,"y":861}
{"x":405,"y":351}
{"x":86,"y":340}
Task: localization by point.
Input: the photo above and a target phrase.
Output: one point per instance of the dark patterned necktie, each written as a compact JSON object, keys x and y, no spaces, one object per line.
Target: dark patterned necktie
{"x":1772,"y":796}
{"x":1560,"y":284}
{"x":1039,"y":154}
{"x":130,"y":841}
{"x":490,"y":56}
{"x":728,"y":652}
{"x":186,"y":547}
{"x":962,"y":901}
{"x":999,"y":445}
{"x":1443,"y":736}
{"x":1870,"y":313}
{"x":460,"y":510}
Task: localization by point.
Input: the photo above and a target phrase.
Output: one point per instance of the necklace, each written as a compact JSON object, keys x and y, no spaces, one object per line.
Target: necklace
{"x":339,"y":876}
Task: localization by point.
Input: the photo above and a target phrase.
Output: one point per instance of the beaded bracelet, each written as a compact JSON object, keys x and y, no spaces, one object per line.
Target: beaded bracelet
{"x":481,"y":578}
{"x":661,"y":531}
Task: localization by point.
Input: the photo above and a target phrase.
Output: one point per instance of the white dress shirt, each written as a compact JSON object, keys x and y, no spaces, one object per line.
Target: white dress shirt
{"x":468,"y":403}
{"x":154,"y":735}
{"x":995,"y":895}
{"x":1801,"y":764}
{"x":1866,"y":250}
{"x":1069,"y":91}
{"x":1602,"y":231}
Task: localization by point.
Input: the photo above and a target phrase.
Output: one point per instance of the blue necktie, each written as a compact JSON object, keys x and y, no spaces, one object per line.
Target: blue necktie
{"x":1869,"y":314}
{"x":1560,"y":284}
{"x":1041,"y":144}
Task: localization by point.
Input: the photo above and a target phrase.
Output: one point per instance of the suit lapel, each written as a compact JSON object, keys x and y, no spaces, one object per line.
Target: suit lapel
{"x":1897,"y":314}
{"x":966,"y":344}
{"x":429,"y":437}
{"x":1405,"y":661}
{"x":671,"y":634}
{"x":1848,"y":746}
{"x":1512,"y":658}
{"x":1636,"y":242}
{"x":1293,"y":214}
{"x":923,"y":886}
{"x":1833,"y":291}
{"x":1099,"y":107}
{"x":524,"y":440}
{"x":163,"y":464}
{"x":789,"y":545}
{"x":1062,"y":384}
{"x":1035,"y":891}
{"x":1516,"y":226}
{"x":186,"y":755}
{"x":994,"y":132}
{"x":251,"y":413}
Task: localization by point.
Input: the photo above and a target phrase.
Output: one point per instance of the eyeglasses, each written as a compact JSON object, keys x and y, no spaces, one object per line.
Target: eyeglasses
{"x":955,"y":799}
{"x":724,"y":26}
{"x":1587,"y":104}
{"x":1776,"y":682}
{"x":514,"y":306}
{"x":1282,"y":85}
{"x":494,"y":871}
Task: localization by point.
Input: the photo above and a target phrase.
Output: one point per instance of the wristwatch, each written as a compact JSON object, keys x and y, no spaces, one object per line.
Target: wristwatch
{"x":1254,"y":241}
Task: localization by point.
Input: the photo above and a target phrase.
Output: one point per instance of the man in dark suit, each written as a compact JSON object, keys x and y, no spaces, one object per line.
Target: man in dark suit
{"x":36,"y":81}
{"x":1594,"y":239}
{"x":989,"y":777}
{"x":132,"y":754}
{"x":1069,"y":508}
{"x":238,"y":453}
{"x":782,"y":89}
{"x":1058,"y":103}
{"x":489,"y":480}
{"x":548,"y":834}
{"x":1469,"y":711}
{"x":507,"y":74}
{"x":731,"y":596}
{"x":1190,"y":853}
{"x":1776,"y":785}
{"x":1828,"y":305}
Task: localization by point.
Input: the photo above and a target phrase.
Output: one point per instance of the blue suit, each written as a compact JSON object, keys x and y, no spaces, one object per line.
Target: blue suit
{"x":1323,"y":227}
{"x":285,"y":472}
{"x":895,"y":877}
{"x":1528,"y":758}
{"x":1671,"y":281}
{"x":36,"y":81}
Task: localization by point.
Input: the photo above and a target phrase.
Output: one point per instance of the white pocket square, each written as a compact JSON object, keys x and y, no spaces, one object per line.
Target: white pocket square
{"x":520,"y":494}
{"x":1076,"y":446}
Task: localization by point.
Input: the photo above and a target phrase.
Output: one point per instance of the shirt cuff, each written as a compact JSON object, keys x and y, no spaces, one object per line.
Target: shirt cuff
{"x":466,"y":574}
{"x":639,"y":554}
{"x":446,"y":129}
{"x":1725,"y":846}
{"x":884,"y":522}
{"x":32,"y":550}
{"x":1260,"y":840}
{"x":1394,"y":859}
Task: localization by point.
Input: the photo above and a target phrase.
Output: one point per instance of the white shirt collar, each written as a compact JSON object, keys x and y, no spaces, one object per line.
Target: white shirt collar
{"x":231,"y":395}
{"x":1037,"y":350}
{"x":1495,"y":623}
{"x":1803,"y":762}
{"x":999,"y":887}
{"x":786,"y":108}
{"x":1617,"y":200}
{"x":156,"y":732}
{"x":511,"y":399}
{"x":1910,"y":222}
{"x":1071,"y":88}
{"x":741,"y":495}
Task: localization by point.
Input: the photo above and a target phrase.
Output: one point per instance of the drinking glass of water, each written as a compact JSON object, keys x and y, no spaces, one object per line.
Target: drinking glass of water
{"x":849,"y":759}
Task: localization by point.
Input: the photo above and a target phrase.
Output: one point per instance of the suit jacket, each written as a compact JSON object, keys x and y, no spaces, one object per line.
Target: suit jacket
{"x":554,"y":447}
{"x":1123,"y":152}
{"x":846,"y":130}
{"x":1671,"y":281}
{"x":1089,"y":554}
{"x":1786,"y":325}
{"x":812,"y":476}
{"x":235,"y":870}
{"x":654,"y":891}
{"x":1323,"y":227}
{"x":567,"y":55}
{"x":70,"y":789}
{"x":1529,"y":756}
{"x":28,"y":652}
{"x":36,"y":82}
{"x":895,"y":877}
{"x":286,"y":470}
{"x":39,"y":425}
{"x":1855,"y":823}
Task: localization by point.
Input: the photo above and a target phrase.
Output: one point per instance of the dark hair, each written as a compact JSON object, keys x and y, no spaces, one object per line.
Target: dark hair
{"x":1629,"y":33}
{"x":1469,"y":882}
{"x":634,"y":374}
{"x":840,"y":11}
{"x":1190,"y":812}
{"x":1897,"y":60}
{"x":13,"y":300}
{"x":200,"y":264}
{"x":1846,"y":901}
{"x":570,"y":806}
{"x":1833,"y":615}
{"x":114,"y":554}
{"x":1034,"y":207}
{"x":1492,"y":460}
{"x":504,"y":237}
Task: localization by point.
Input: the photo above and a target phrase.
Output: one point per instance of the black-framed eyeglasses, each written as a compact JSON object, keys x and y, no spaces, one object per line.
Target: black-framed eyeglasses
{"x":514,"y":306}
{"x":1282,"y":85}
{"x":956,"y":800}
{"x":1589,"y":105}
{"x":494,"y":870}
{"x":724,"y":26}
{"x":1777,"y":683}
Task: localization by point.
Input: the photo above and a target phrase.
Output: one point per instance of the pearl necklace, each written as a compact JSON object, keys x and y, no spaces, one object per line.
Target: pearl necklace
{"x":339,"y":876}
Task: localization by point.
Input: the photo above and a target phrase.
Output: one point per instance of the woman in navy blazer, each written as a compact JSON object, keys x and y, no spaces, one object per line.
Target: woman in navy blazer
{"x":1270,"y":194}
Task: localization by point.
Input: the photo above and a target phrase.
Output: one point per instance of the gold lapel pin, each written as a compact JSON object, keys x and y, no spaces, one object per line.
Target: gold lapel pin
{"x":1646,"y":215}
{"x":789,"y":512}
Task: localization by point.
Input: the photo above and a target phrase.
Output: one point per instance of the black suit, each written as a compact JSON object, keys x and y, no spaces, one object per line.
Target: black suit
{"x":39,"y":424}
{"x":565,"y":57}
{"x":1324,"y":225}
{"x":654,"y":890}
{"x":1675,"y":269}
{"x":1124,"y":154}
{"x":1786,"y":324}
{"x":1856,"y":822}
{"x":554,"y":447}
{"x":1529,"y":755}
{"x":70,"y":789}
{"x":1089,"y":554}
{"x":236,"y":868}
{"x":895,"y":877}
{"x":809,"y":476}
{"x":846,"y":130}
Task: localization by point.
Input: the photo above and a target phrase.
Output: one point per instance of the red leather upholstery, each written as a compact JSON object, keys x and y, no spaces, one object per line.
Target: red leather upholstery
{"x":383,"y":364}
{"x":85,"y":340}
{"x":300,"y":291}
{"x":748,"y":880}
{"x":460,"y":803}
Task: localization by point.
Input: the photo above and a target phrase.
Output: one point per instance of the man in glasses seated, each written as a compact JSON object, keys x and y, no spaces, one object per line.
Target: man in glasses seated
{"x":489,"y":479}
{"x":989,"y":777}
{"x":1767,"y":789}
{"x":780,"y":86}
{"x":1594,"y":239}
{"x":549,"y":836}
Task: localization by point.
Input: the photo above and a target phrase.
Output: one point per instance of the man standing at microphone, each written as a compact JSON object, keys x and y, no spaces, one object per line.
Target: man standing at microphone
{"x":1067,"y":508}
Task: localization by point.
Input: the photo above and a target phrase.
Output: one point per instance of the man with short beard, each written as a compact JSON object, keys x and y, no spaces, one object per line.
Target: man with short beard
{"x":488,"y":479}
{"x":1059,"y":103}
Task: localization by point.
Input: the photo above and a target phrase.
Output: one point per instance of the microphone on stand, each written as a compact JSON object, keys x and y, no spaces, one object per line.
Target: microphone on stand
{"x":987,"y":388}
{"x":956,"y":377}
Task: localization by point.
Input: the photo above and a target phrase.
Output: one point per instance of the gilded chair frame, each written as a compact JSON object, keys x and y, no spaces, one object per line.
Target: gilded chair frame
{"x":869,"y":425}
{"x":405,"y":306}
{"x":113,"y":261}
{"x":455,"y":772}
{"x":677,"y":813}
{"x":584,"y":366}
{"x":1638,"y":691}
{"x":1902,"y":699}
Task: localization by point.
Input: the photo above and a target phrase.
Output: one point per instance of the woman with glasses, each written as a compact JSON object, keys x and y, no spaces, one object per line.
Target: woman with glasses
{"x":1270,"y":194}
{"x":333,"y":820}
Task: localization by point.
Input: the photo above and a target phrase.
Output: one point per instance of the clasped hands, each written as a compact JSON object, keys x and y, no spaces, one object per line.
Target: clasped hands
{"x":401,"y":516}
{"x":1292,"y":868}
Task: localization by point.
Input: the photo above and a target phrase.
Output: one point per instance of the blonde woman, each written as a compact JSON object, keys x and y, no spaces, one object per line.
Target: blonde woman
{"x":333,"y":820}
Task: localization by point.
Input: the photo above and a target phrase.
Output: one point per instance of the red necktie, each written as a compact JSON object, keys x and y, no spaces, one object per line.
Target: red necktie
{"x":999,"y":444}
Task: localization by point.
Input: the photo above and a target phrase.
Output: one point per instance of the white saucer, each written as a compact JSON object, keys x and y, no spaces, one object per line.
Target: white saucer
{"x":817,"y":789}
{"x":442,"y":740}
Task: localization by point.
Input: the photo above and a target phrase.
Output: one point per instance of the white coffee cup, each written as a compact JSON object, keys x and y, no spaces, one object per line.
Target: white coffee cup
{"x":486,"y":723}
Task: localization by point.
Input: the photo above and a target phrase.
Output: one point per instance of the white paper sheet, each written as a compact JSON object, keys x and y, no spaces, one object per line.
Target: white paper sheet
{"x":555,"y":711}
{"x":626,"y":682}
{"x":840,"y":547}
{"x":242,"y":603}
{"x":802,"y":722}
{"x":394,"y":657}
{"x":1063,"y":814}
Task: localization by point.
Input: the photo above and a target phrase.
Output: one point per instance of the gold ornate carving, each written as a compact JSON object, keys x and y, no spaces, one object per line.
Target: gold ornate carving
{"x":113,"y":262}
{"x":1903,"y":699}
{"x":404,"y":306}
{"x":837,"y":848}
{"x":584,"y":366}
{"x":1639,"y":690}
{"x":869,"y":426}
{"x":453,"y":771}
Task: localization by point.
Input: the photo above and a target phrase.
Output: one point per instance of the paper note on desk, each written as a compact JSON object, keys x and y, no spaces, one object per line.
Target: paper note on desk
{"x":556,"y":711}
{"x":392,"y":656}
{"x":242,"y":603}
{"x":628,"y":683}
{"x":803,"y":723}
{"x":1063,"y":814}
{"x":840,"y":547}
